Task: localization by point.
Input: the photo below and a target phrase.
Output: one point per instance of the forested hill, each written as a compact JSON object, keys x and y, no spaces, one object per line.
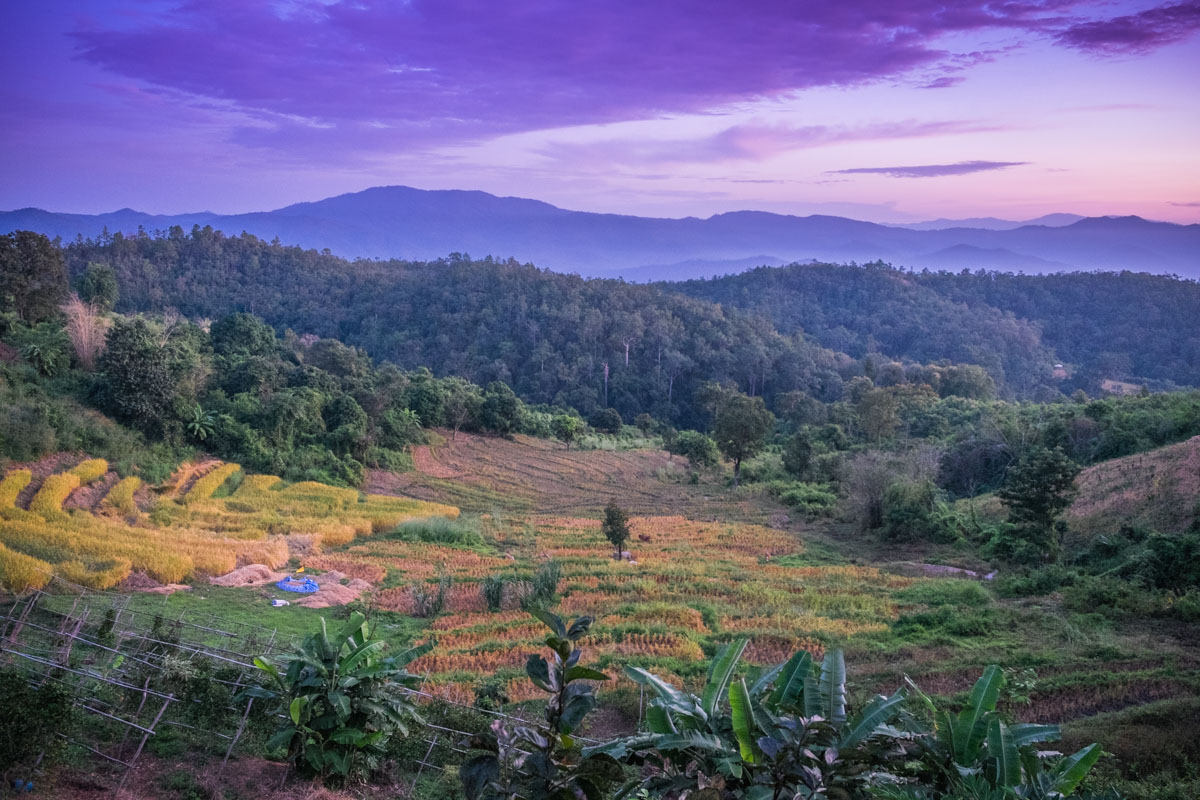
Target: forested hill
{"x":771,"y":330}
{"x":1124,"y":326}
{"x":551,"y":337}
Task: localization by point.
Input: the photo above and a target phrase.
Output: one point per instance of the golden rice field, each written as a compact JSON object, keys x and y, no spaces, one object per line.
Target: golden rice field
{"x":689,"y":585}
{"x":184,"y":530}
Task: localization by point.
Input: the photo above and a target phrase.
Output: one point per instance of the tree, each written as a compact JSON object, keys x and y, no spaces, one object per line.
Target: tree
{"x":33,"y":280}
{"x":461,"y":403}
{"x":566,"y":428}
{"x":137,"y":379}
{"x":243,"y":335}
{"x":878,"y":413}
{"x":98,"y":286}
{"x":606,"y":420}
{"x":501,"y":410}
{"x":740,"y":427}
{"x":645,"y":423}
{"x":700,"y":450}
{"x":615,"y":527}
{"x":797,"y":454}
{"x":1036,"y":492}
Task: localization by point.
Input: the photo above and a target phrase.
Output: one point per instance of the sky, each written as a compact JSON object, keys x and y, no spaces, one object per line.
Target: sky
{"x":891,"y":111}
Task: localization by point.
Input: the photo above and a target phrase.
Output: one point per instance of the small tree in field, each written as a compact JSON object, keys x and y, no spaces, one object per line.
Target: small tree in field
{"x":616,"y":527}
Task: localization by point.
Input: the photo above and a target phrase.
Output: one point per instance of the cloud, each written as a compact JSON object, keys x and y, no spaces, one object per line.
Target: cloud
{"x":744,"y":142}
{"x":1135,"y":33}
{"x":377,"y":75}
{"x":932,"y":170}
{"x":1184,"y":205}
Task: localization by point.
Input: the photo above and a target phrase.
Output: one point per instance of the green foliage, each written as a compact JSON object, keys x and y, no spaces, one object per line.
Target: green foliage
{"x":501,"y":410}
{"x":979,"y":749}
{"x":615,"y":527}
{"x":45,"y":347}
{"x":565,"y":428}
{"x":700,"y":450}
{"x":606,"y":420}
{"x":99,"y":287}
{"x":439,"y":530}
{"x":545,"y":582}
{"x":33,"y":280}
{"x":811,"y":499}
{"x":31,"y":717}
{"x":740,"y":425}
{"x":492,"y":589}
{"x":1036,"y":492}
{"x":914,"y":510}
{"x":797,"y":454}
{"x":142,"y":370}
{"x":545,"y":762}
{"x":785,"y":734}
{"x":342,"y":698}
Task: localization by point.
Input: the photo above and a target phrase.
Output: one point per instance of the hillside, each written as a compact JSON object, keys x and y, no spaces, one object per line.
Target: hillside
{"x":401,"y":222}
{"x":1159,"y":490}
{"x":1104,"y":325}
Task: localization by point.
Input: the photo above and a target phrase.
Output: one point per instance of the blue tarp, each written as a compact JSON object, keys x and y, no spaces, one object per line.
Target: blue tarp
{"x":304,"y":585}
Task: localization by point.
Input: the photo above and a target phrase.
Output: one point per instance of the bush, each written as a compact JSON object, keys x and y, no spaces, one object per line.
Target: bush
{"x":1040,"y":581}
{"x":31,"y":720}
{"x":811,"y":499}
{"x":606,"y":420}
{"x":439,"y":530}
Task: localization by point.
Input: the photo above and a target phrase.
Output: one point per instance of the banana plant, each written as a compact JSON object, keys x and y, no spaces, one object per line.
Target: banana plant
{"x":959,"y":753}
{"x":546,"y":762}
{"x":342,"y":700}
{"x":787,"y":734}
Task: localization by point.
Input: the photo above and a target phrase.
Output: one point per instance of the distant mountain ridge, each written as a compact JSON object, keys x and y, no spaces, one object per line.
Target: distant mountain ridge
{"x":401,"y":222}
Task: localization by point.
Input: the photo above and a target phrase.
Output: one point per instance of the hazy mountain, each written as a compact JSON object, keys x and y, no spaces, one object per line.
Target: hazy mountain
{"x":989,"y":223}
{"x":400,"y":222}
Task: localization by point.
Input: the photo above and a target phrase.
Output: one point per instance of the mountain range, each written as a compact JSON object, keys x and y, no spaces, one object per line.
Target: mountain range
{"x":402,"y":222}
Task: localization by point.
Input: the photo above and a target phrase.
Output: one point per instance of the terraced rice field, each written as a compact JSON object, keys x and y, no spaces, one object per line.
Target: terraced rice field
{"x":46,"y":529}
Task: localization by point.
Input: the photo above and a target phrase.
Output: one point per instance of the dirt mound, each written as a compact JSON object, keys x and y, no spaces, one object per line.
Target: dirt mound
{"x":249,"y":575}
{"x":89,"y":496}
{"x":333,"y":592}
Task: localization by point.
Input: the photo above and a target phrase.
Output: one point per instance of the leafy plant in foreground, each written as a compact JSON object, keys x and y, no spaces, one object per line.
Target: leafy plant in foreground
{"x":977,"y":754}
{"x":546,"y":763}
{"x":343,"y":700}
{"x":786,"y":735}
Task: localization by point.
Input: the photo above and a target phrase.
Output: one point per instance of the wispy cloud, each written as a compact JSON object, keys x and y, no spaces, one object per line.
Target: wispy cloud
{"x":1135,"y":33}
{"x":932,"y":170}
{"x":748,"y":142}
{"x":1184,"y":205}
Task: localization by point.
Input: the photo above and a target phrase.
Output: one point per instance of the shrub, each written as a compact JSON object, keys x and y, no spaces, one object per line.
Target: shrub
{"x":606,"y":420}
{"x":811,"y":499}
{"x":439,"y":530}
{"x":341,"y":699}
{"x":545,"y":582}
{"x":31,"y":719}
{"x":492,"y":590}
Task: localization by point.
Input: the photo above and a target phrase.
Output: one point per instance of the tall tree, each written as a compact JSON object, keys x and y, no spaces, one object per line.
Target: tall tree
{"x":33,"y":280}
{"x":740,"y":426}
{"x":1036,"y":492}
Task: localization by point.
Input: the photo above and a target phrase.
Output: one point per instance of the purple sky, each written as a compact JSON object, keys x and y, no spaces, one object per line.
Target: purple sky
{"x":892,"y":111}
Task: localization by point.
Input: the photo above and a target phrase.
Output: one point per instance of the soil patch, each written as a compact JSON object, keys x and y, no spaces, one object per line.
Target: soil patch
{"x":90,"y":496}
